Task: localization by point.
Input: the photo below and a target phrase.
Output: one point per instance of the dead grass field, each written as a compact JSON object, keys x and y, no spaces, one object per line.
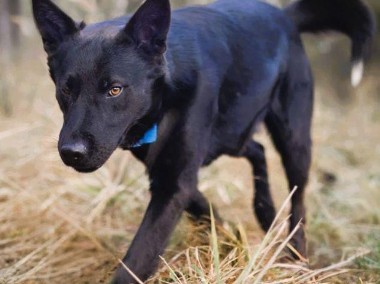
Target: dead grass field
{"x":58,"y":226}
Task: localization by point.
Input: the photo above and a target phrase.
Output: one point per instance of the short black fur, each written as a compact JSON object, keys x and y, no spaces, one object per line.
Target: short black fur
{"x":207,"y":75}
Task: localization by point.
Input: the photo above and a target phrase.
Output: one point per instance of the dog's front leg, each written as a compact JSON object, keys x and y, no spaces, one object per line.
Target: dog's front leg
{"x":164,"y":210}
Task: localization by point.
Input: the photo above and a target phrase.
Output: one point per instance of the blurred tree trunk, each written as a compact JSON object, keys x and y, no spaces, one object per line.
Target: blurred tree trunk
{"x":5,"y":53}
{"x":9,"y":45}
{"x":10,"y":10}
{"x":5,"y":29}
{"x":15,"y":14}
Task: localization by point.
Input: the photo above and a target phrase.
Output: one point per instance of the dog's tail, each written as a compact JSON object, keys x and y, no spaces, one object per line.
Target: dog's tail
{"x":351,"y":17}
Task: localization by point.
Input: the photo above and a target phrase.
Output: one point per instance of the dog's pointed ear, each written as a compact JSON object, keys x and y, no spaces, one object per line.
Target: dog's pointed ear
{"x":54,"y":25}
{"x":149,"y":26}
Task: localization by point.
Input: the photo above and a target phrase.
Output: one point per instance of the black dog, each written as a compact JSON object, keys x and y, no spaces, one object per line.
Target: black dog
{"x":180,"y":90}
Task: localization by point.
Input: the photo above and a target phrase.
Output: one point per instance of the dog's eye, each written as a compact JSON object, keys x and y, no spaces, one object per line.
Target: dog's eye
{"x":115,"y":91}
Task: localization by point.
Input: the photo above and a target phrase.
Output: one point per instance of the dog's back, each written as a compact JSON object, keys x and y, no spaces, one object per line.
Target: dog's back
{"x":236,"y":35}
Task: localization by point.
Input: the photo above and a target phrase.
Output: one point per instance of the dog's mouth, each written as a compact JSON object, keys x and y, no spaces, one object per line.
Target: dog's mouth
{"x":133,"y":135}
{"x":82,"y":167}
{"x":129,"y":137}
{"x":86,"y":170}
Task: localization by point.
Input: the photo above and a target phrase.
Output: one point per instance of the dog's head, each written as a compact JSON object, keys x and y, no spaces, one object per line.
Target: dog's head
{"x":105,"y":76}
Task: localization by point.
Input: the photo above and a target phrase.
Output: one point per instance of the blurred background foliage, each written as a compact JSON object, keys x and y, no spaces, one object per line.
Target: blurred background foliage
{"x":19,"y":41}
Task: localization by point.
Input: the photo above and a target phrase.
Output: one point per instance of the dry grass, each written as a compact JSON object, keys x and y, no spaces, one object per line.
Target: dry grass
{"x":57,"y":226}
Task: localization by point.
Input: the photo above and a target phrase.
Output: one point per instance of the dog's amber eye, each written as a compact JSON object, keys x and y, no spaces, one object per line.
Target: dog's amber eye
{"x":115,"y":91}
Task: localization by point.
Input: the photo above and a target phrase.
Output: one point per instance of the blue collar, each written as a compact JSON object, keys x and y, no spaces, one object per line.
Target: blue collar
{"x":148,"y":138}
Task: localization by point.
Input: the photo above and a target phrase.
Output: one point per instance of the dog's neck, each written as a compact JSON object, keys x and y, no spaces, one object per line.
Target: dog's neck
{"x":143,"y":130}
{"x":165,"y":94}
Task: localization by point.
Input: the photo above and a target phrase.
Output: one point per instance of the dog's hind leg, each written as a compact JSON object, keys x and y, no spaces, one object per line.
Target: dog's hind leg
{"x":289,"y":123}
{"x":291,"y":135}
{"x":263,"y":203}
{"x":296,"y":155}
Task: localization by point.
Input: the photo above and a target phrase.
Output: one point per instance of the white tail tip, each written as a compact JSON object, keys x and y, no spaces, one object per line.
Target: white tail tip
{"x":357,"y":73}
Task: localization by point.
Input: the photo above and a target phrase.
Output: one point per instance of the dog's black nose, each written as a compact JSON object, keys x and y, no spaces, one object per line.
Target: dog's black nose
{"x":73,"y":153}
